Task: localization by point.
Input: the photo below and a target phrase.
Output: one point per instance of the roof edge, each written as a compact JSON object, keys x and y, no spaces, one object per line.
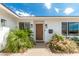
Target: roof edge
{"x":8,"y":10}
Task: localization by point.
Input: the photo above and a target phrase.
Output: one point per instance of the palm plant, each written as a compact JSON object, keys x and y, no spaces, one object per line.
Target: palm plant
{"x":19,"y":40}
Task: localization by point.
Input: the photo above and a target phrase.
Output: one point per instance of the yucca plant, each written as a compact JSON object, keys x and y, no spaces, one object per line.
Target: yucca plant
{"x":18,"y":41}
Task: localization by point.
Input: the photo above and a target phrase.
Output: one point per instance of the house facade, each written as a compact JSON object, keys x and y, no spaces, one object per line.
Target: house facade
{"x":42,"y":27}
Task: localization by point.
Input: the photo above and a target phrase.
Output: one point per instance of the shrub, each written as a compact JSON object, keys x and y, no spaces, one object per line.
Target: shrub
{"x":76,"y":39}
{"x":18,"y":41}
{"x":62,"y":46}
{"x":58,"y":37}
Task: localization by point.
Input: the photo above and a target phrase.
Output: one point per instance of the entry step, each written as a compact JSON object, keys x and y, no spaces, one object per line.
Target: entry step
{"x":39,"y":41}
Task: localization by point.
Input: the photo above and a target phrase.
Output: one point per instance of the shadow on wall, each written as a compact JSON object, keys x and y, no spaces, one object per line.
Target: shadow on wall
{"x":3,"y":35}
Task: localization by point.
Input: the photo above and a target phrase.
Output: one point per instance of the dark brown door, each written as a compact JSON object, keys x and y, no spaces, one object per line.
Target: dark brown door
{"x":39,"y":31}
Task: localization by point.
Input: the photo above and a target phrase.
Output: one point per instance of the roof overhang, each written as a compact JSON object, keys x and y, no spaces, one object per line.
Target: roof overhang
{"x":40,"y":17}
{"x":7,"y":10}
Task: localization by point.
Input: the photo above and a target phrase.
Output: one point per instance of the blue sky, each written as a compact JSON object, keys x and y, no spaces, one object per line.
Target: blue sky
{"x":44,"y":9}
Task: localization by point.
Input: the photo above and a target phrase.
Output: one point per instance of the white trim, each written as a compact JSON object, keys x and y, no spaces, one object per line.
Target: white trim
{"x":7,"y":10}
{"x":42,"y":18}
{"x":67,"y":29}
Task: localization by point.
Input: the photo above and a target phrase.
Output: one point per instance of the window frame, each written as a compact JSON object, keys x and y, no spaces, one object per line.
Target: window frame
{"x":25,"y":26}
{"x":67,"y":30}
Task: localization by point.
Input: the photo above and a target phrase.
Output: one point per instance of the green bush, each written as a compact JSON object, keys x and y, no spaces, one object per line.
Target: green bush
{"x":19,"y":40}
{"x":58,"y":45}
{"x":58,"y":37}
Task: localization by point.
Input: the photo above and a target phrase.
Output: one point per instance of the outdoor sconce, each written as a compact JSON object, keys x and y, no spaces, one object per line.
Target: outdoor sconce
{"x":46,"y":25}
{"x":3,"y":21}
{"x":31,"y":25}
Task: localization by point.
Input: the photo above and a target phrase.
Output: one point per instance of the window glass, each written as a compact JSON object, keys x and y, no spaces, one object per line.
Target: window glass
{"x":27,"y":25}
{"x":70,"y":28}
{"x":24,"y":25}
{"x":73,"y":28}
{"x":64,"y":28}
{"x":21,"y":25}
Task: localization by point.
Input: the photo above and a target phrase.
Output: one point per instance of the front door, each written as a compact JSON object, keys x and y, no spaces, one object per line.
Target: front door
{"x":39,"y":31}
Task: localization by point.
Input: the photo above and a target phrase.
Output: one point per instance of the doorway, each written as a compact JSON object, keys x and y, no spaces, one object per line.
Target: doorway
{"x":39,"y":32}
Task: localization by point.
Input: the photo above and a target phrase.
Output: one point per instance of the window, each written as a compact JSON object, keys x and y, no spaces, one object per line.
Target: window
{"x":24,"y":25}
{"x":27,"y":25}
{"x":64,"y":28}
{"x":21,"y":25}
{"x":3,"y":22}
{"x":73,"y":28}
{"x":70,"y":28}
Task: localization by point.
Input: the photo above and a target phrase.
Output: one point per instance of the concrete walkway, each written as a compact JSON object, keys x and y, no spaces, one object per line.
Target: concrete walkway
{"x":39,"y":50}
